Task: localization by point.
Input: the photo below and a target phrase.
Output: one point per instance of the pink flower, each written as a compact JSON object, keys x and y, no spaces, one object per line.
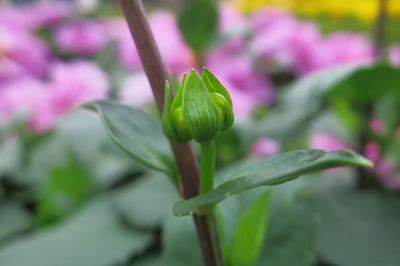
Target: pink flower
{"x":48,"y":13}
{"x":176,"y":55}
{"x":15,"y":18}
{"x":76,"y":82}
{"x":86,"y":37}
{"x":22,"y":54}
{"x":387,"y":175}
{"x":394,"y":55}
{"x":267,"y":18}
{"x":27,"y":97}
{"x":230,"y":19}
{"x":136,"y":90}
{"x":341,"y":48}
{"x":286,"y":43}
{"x":372,"y":151}
{"x":377,"y":126}
{"x":265,"y":147}
{"x":327,"y":141}
{"x":30,"y":17}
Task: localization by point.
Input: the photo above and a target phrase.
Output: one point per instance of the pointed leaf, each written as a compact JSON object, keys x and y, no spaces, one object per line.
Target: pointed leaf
{"x":273,"y":171}
{"x":137,"y":133}
{"x":177,"y":102}
{"x":215,"y":85}
{"x":166,"y":119}
{"x":93,"y":236}
{"x":198,"y":23}
{"x":250,"y":232}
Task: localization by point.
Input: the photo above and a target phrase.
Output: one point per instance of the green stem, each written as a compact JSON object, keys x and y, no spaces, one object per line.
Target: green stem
{"x":207,"y":166}
{"x":207,"y":172}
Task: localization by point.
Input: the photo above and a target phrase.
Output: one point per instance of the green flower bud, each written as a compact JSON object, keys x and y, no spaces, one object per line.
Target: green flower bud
{"x":201,"y":108}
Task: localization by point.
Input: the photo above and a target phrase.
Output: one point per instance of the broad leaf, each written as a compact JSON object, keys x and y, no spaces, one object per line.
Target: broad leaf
{"x":273,"y":171}
{"x":358,"y":228}
{"x":94,"y":237}
{"x":300,"y":103}
{"x":13,"y":219}
{"x":305,"y":98}
{"x":290,"y":238}
{"x":66,"y":188}
{"x":180,"y":245}
{"x":103,"y":161}
{"x":147,"y":202}
{"x":250,"y":232}
{"x":137,"y":133}
{"x":368,"y":84}
{"x":198,"y":22}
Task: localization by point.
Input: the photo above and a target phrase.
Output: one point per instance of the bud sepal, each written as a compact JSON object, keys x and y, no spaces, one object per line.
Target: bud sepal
{"x":201,"y":109}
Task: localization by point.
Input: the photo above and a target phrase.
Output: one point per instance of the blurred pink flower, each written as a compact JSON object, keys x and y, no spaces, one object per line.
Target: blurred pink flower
{"x":76,"y":82}
{"x":394,"y":55}
{"x":136,"y":90}
{"x":41,"y":103}
{"x":48,"y":13}
{"x":176,"y":55}
{"x":86,"y":37}
{"x":267,"y":18}
{"x":377,"y":126}
{"x":265,"y":147}
{"x":286,"y":42}
{"x":230,"y":62}
{"x":230,"y":19}
{"x":22,"y":53}
{"x":384,"y":168}
{"x":372,"y":151}
{"x":33,"y":16}
{"x":325,"y":141}
{"x":27,"y":97}
{"x":15,"y":18}
{"x":387,"y":175}
{"x":341,"y":48}
{"x":233,"y":67}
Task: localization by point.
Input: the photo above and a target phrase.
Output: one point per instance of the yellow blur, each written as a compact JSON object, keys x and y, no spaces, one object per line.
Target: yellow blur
{"x":365,"y":10}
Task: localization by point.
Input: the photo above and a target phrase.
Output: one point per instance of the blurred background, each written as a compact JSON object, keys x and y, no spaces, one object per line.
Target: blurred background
{"x":302,"y":74}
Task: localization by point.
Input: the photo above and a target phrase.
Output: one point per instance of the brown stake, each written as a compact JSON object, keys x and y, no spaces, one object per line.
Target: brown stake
{"x":365,"y":178}
{"x":187,"y":165}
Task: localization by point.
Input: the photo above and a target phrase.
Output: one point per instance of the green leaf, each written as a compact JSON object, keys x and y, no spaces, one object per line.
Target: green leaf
{"x":306,"y":98}
{"x":198,"y":22}
{"x":166,"y":119}
{"x":367,"y":84}
{"x":292,"y":225}
{"x":93,"y":237}
{"x":137,"y":133}
{"x":180,"y":245}
{"x":250,"y":232}
{"x":13,"y":219}
{"x":299,"y":105}
{"x":273,"y":171}
{"x":66,"y":188}
{"x":215,"y":85}
{"x":147,"y":202}
{"x":358,"y":228}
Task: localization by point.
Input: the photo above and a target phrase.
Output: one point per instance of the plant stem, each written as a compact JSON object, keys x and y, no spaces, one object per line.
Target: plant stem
{"x":207,"y":166}
{"x":186,"y":162}
{"x":157,"y":74}
{"x":207,"y":172}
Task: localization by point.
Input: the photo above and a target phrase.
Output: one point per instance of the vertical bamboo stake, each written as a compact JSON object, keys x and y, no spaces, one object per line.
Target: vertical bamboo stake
{"x":187,"y":165}
{"x":365,"y":178}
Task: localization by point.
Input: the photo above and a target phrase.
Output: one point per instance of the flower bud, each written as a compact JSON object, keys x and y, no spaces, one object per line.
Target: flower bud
{"x":201,"y":108}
